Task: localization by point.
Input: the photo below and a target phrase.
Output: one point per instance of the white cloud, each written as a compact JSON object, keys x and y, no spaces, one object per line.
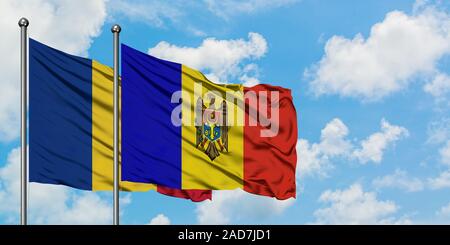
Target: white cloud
{"x":78,"y":209}
{"x":158,"y":12}
{"x":228,"y":8}
{"x":250,"y":75}
{"x":332,"y":138}
{"x":439,"y":86}
{"x":50,"y":204}
{"x":9,"y":183}
{"x":373,"y":147}
{"x":354,"y":206}
{"x":442,"y":181}
{"x":310,"y":160}
{"x":160,"y":219}
{"x":154,"y":13}
{"x":399,"y":179}
{"x":249,"y":81}
{"x":396,"y":50}
{"x":230,"y":207}
{"x":66,"y":25}
{"x":445,"y":153}
{"x":439,"y":134}
{"x":315,"y":158}
{"x":439,"y":131}
{"x":178,"y":13}
{"x":444,"y":211}
{"x":227,"y":65}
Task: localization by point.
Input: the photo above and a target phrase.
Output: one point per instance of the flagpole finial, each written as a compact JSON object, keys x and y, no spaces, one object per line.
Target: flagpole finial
{"x":116,"y":28}
{"x":24,"y":22}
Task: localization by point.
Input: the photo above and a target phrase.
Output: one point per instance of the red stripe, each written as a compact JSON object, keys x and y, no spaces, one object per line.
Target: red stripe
{"x":193,"y":195}
{"x":270,"y":162}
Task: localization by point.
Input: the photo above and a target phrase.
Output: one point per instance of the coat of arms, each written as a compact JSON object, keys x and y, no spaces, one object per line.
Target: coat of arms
{"x":211,"y":128}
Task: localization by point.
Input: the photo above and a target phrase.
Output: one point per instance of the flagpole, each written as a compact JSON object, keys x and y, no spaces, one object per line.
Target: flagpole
{"x":23,"y":23}
{"x":116,"y":30}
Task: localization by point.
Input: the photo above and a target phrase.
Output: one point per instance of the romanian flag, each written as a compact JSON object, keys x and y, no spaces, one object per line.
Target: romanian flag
{"x":71,"y":124}
{"x":183,"y":131}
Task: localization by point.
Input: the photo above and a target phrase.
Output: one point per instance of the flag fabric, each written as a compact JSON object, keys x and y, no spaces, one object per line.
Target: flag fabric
{"x":182,"y":131}
{"x":71,"y":124}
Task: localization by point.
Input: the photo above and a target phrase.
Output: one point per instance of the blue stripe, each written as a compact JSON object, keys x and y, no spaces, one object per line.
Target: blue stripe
{"x":151,"y":145}
{"x":60,"y":118}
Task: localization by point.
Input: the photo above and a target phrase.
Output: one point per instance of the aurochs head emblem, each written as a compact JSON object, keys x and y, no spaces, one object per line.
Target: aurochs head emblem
{"x":212,"y":132}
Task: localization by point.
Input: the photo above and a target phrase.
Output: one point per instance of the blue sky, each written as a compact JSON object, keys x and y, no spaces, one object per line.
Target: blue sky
{"x":370,"y":81}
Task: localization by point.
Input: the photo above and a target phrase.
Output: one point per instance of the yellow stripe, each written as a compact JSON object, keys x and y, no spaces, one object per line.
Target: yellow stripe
{"x":102,"y":133}
{"x":198,"y":172}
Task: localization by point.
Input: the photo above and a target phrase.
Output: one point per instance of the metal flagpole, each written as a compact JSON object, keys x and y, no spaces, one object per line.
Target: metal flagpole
{"x":23,"y":23}
{"x":116,"y":30}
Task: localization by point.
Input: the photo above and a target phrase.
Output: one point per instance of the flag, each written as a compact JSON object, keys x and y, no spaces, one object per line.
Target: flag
{"x":183,"y":131}
{"x":71,"y":124}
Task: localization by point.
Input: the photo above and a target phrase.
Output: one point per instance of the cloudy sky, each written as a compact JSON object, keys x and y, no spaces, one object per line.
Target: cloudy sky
{"x":370,"y":81}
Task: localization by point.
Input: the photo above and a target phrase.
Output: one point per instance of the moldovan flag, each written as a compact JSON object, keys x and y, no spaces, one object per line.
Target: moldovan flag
{"x":183,"y":131}
{"x":71,"y":124}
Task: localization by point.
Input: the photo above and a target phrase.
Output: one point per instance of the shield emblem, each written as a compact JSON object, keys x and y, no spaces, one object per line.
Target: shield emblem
{"x":212,"y":134}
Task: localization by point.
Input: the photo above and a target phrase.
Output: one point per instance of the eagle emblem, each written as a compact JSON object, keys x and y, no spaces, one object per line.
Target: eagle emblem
{"x":211,"y":128}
